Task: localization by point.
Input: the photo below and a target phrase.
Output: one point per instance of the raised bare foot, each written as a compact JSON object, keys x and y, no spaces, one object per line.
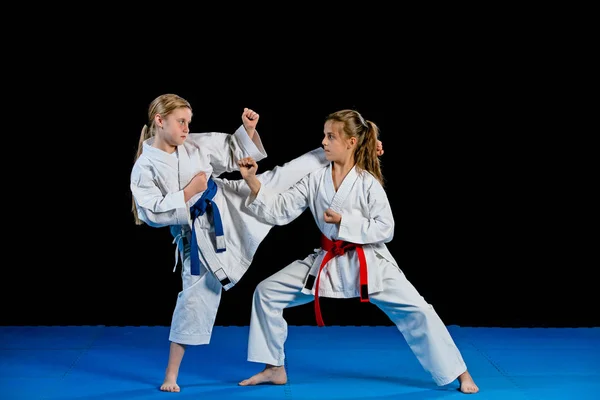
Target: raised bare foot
{"x":271,"y":374}
{"x":170,"y":384}
{"x":467,"y":385}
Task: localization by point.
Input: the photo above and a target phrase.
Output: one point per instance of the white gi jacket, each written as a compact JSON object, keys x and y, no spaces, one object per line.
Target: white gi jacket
{"x":366,"y":219}
{"x":158,"y":179}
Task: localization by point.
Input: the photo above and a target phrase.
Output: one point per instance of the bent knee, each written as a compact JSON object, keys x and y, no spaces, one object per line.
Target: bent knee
{"x":264,"y":288}
{"x":268,"y":289}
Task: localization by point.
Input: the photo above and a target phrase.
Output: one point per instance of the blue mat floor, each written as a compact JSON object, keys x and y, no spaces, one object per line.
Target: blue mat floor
{"x":102,"y":362}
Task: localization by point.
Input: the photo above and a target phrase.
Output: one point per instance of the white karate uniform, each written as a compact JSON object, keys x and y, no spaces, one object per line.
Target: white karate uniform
{"x":366,"y":219}
{"x":157,"y":182}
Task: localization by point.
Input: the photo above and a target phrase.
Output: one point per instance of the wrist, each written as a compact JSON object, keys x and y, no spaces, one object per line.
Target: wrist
{"x":250,"y":131}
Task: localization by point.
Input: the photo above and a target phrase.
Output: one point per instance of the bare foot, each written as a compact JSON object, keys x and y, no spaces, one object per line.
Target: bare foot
{"x":170,"y":384}
{"x":176,"y":352}
{"x":467,"y":385}
{"x":271,"y":374}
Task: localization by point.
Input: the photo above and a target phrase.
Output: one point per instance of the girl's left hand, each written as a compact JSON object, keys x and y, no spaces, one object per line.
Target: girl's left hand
{"x":379,"y":148}
{"x":248,"y":167}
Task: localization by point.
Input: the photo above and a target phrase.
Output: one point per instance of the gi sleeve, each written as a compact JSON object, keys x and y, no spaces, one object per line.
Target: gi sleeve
{"x":154,"y":208}
{"x":280,"y":208}
{"x":377,"y":227}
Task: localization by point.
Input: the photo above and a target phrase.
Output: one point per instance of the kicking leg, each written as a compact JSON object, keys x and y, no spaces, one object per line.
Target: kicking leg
{"x":284,"y":176}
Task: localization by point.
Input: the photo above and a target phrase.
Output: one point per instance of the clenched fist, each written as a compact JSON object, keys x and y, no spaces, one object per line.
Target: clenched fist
{"x":248,"y":167}
{"x":331,"y":217}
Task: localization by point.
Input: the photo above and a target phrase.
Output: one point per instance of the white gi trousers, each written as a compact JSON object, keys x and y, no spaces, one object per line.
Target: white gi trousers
{"x":424,"y":331}
{"x":198,"y":301}
{"x":197,"y":304}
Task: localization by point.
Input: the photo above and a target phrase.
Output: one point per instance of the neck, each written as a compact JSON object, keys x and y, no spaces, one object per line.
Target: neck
{"x":164,"y":146}
{"x":343,"y":167}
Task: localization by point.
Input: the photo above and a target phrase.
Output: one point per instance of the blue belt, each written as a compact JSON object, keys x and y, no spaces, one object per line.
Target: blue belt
{"x":199,"y":209}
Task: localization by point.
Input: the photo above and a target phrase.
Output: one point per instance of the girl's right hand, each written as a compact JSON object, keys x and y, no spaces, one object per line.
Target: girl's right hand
{"x":199,"y":183}
{"x":248,"y":167}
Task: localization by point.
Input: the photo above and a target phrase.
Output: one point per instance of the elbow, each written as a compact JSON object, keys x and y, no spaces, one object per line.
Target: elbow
{"x":149,"y":221}
{"x":389,"y":233}
{"x":154,"y":224}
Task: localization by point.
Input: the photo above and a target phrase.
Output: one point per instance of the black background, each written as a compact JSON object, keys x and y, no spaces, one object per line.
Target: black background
{"x":475,"y":166}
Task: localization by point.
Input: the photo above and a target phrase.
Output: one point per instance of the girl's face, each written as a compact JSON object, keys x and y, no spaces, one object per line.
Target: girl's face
{"x":175,"y":127}
{"x":336,"y":146}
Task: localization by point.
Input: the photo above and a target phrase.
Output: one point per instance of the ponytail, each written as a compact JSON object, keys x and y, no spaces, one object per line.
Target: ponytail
{"x":366,"y":153}
{"x":146,"y":134}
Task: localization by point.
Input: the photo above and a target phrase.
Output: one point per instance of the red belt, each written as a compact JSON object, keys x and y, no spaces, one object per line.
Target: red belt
{"x":337,"y":248}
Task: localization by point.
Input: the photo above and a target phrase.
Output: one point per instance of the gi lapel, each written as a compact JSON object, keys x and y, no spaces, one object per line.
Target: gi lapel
{"x":185,"y":167}
{"x":158,"y":155}
{"x":340,"y":196}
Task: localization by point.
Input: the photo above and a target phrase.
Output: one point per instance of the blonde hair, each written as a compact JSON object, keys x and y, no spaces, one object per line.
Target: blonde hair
{"x":366,"y":134}
{"x":164,"y":105}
